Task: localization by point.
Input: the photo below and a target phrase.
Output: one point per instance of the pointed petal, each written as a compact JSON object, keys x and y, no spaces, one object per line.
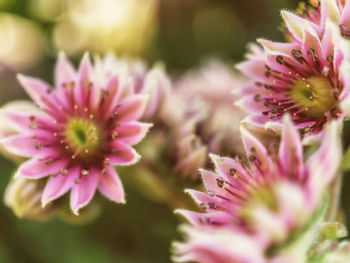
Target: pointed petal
{"x":132,"y":108}
{"x":324,"y":164}
{"x":111,"y":186}
{"x":329,"y":10}
{"x":291,"y":151}
{"x":256,"y":149}
{"x":112,"y":96}
{"x":345,"y":15}
{"x":84,"y":190}
{"x":21,"y":145}
{"x":36,"y":169}
{"x":25,"y":122}
{"x":123,"y":154}
{"x":59,"y":185}
{"x":133,"y":132}
{"x":84,"y":80}
{"x":254,"y":69}
{"x":36,"y":89}
{"x":295,"y":24}
{"x":219,"y":245}
{"x":64,"y":71}
{"x":198,"y":219}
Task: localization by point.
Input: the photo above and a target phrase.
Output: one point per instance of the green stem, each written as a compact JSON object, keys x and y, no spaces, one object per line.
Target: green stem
{"x":334,"y":200}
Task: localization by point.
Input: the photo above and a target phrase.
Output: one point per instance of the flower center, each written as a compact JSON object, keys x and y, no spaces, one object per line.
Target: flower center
{"x":313,"y":95}
{"x":83,"y":137}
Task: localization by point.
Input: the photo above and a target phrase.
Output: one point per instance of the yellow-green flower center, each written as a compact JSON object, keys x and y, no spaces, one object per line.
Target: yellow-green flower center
{"x":83,"y":137}
{"x":313,"y":96}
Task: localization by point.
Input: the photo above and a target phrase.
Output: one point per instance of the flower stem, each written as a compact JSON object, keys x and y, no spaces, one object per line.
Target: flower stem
{"x":334,"y":200}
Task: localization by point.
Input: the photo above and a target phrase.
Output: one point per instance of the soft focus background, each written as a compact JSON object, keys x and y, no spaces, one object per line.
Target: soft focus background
{"x":179,"y":32}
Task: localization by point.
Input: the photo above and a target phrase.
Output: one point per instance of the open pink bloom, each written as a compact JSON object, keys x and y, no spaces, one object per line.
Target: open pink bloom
{"x":263,"y":203}
{"x":301,"y":77}
{"x":87,"y":126}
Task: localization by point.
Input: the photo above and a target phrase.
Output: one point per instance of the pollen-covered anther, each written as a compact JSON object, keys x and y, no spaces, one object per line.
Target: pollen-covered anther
{"x":220,"y":182}
{"x":85,"y":172}
{"x":49,"y":162}
{"x":314,"y":3}
{"x":114,"y":135}
{"x":233,"y":172}
{"x":32,"y":126}
{"x":107,"y":162}
{"x":39,"y":146}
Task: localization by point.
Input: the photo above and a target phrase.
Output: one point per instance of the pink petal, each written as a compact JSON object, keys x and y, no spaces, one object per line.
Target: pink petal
{"x":21,"y":122}
{"x":254,"y":69}
{"x":219,"y":246}
{"x":249,"y":104}
{"x":284,"y":50}
{"x":312,"y":42}
{"x":329,"y":11}
{"x":113,"y":94}
{"x":345,"y":15}
{"x":123,"y":154}
{"x":199,"y":197}
{"x":256,"y":149}
{"x":59,"y":185}
{"x":324,"y":164}
{"x":35,"y":169}
{"x":223,"y":166}
{"x":64,"y":71}
{"x":84,"y":80}
{"x":26,"y":146}
{"x":21,"y":145}
{"x":36,"y":89}
{"x":295,"y":24}
{"x":133,"y":132}
{"x":291,"y":151}
{"x":258,"y":120}
{"x":132,"y":108}
{"x":111,"y":186}
{"x":84,"y":190}
{"x":198,"y":219}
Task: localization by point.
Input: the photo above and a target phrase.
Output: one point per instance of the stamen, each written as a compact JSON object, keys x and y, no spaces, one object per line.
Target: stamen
{"x":85,"y":172}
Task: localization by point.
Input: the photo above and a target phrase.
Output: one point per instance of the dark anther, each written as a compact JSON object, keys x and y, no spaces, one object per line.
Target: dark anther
{"x":257,"y":98}
{"x":279,"y":59}
{"x":220,"y":181}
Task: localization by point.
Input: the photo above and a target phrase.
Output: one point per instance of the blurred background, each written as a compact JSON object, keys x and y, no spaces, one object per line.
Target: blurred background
{"x":181,"y":33}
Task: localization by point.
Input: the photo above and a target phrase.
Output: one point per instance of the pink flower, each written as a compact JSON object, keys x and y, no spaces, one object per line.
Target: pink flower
{"x":203,"y":116}
{"x":319,"y":11}
{"x":262,"y":203}
{"x":87,"y":125}
{"x":301,"y":78}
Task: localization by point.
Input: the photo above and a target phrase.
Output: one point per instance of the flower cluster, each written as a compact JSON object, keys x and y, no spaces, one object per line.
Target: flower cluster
{"x":273,"y":199}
